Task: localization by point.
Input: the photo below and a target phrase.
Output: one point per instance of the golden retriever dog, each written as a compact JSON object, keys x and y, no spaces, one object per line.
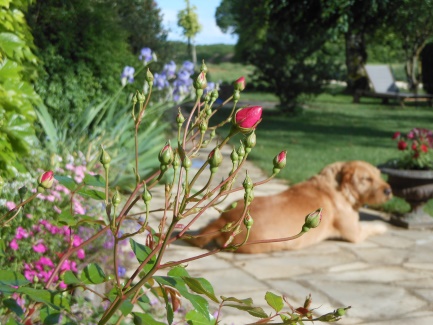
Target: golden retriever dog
{"x":340,"y":189}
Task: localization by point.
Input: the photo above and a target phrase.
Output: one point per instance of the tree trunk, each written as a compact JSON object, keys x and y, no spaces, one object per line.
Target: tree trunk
{"x":356,"y":57}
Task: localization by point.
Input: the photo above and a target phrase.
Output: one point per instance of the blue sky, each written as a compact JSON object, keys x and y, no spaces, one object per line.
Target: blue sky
{"x":210,"y":34}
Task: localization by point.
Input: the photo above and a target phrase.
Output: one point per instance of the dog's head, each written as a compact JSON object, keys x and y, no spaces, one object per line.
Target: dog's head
{"x":359,"y":181}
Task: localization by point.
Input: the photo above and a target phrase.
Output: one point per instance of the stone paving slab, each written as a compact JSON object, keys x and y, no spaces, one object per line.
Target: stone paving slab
{"x":387,"y":279}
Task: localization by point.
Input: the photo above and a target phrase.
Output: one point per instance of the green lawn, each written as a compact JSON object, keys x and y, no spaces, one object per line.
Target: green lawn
{"x":332,"y":128}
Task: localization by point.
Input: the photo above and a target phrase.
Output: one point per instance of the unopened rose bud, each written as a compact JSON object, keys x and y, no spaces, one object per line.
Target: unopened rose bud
{"x":149,"y":78}
{"x":279,"y":161}
{"x":147,"y":196}
{"x":203,"y":67}
{"x":214,"y":95}
{"x":234,"y":156}
{"x":215,"y":158}
{"x":104,"y":158}
{"x":115,"y":200}
{"x":250,"y":141}
{"x":241,"y":151}
{"x":166,"y":155}
{"x":186,"y":163}
{"x":203,"y":126}
{"x":46,"y":180}
{"x":200,"y":82}
{"x":141,"y":98}
{"x":176,"y":161}
{"x":239,"y":84}
{"x":247,"y":183}
{"x":312,"y":220}
{"x":248,"y":221}
{"x":180,"y":118}
{"x":246,"y":119}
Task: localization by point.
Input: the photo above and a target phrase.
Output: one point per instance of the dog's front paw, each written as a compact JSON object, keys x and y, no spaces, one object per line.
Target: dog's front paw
{"x":378,"y":228}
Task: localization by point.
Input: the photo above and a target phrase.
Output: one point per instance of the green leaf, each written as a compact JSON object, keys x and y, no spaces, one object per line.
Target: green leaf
{"x":66,"y":181}
{"x":54,"y":300}
{"x":253,"y":311}
{"x":274,"y":301}
{"x":11,"y":278}
{"x":94,"y":180}
{"x":201,"y":286}
{"x":70,"y":278}
{"x":178,"y":271}
{"x":126,"y":307}
{"x":90,"y":193}
{"x":168,"y":307}
{"x":195,"y":318}
{"x":247,"y":301}
{"x":12,"y":321}
{"x":93,"y":274}
{"x":13,"y":305}
{"x":49,"y":317}
{"x":200,"y":304}
{"x":145,"y":319}
{"x":141,"y":253}
{"x":66,"y":218}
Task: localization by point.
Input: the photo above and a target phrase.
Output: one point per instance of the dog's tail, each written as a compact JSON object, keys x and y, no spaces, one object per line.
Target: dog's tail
{"x":207,"y":234}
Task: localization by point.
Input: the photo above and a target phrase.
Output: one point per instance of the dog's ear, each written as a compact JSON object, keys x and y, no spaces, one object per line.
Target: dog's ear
{"x":334,"y":172}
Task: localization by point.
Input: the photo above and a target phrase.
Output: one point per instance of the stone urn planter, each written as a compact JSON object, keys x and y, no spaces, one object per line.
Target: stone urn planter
{"x":416,"y":188}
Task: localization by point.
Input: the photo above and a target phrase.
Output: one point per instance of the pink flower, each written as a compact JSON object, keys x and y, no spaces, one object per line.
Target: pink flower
{"x":21,"y":233}
{"x":45,"y":261}
{"x":10,"y":205}
{"x":39,"y":248}
{"x":13,"y":244}
{"x":46,"y":180}
{"x":62,"y":285}
{"x":76,"y":241}
{"x":81,"y":254}
{"x":246,"y":119}
{"x":239,"y":84}
{"x":56,"y":209}
{"x":396,"y":135}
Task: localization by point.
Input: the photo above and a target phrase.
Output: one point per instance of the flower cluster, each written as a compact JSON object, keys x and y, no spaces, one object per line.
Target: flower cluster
{"x":417,"y":149}
{"x":173,"y":83}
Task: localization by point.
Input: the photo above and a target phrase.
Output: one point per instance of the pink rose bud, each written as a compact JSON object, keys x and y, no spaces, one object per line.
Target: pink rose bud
{"x":396,"y":135}
{"x":312,"y":220}
{"x":279,"y":161}
{"x":200,"y":82}
{"x":45,"y":181}
{"x":166,"y":155}
{"x":239,"y":84}
{"x":246,"y":119}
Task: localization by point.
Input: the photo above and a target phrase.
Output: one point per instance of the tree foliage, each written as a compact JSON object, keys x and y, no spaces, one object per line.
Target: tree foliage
{"x":188,"y":20}
{"x":17,"y":96}
{"x":286,"y":42}
{"x":85,"y":45}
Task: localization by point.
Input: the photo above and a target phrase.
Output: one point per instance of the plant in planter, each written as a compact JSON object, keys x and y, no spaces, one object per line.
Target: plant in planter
{"x":411,"y":176}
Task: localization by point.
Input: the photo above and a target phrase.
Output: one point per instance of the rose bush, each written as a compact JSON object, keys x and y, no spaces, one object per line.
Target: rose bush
{"x":46,"y":289}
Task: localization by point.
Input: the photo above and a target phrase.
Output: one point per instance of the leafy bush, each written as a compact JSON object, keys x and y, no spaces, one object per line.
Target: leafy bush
{"x":17,"y":63}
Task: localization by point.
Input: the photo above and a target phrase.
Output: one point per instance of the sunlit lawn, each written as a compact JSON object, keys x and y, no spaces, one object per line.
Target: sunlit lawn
{"x":332,"y":128}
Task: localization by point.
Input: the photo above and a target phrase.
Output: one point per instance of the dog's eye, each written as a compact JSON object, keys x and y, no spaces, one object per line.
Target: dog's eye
{"x":368,"y":179}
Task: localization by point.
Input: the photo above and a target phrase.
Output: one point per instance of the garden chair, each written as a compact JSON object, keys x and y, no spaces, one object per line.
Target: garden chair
{"x":382,"y":85}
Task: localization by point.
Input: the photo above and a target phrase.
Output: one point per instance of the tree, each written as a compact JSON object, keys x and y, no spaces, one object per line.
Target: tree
{"x":412,"y":24}
{"x":287,"y":43}
{"x":188,"y":20}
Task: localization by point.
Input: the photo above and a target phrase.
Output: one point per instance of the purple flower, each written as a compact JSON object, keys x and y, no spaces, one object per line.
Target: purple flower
{"x":13,"y":244}
{"x":188,"y":66}
{"x":210,"y":87}
{"x":21,"y":233}
{"x":160,"y":81}
{"x":145,"y":55}
{"x":121,"y":271}
{"x":169,"y":70}
{"x":127,"y":75}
